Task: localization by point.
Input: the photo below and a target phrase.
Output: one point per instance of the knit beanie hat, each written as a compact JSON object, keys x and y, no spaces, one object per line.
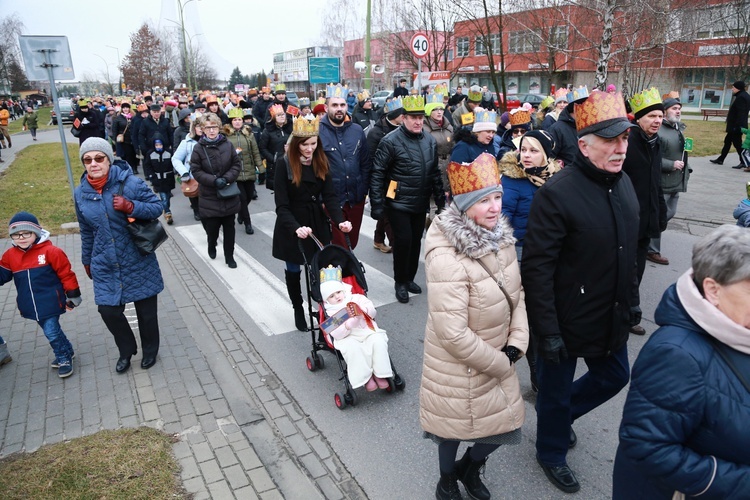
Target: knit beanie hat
{"x":430,"y":107}
{"x":540,"y":139}
{"x":739,"y":85}
{"x":96,"y":144}
{"x":24,"y":221}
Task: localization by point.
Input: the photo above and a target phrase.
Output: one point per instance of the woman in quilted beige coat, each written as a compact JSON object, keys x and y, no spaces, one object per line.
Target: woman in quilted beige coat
{"x":476,"y":329}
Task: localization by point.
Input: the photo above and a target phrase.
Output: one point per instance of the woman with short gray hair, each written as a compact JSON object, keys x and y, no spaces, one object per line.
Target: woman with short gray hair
{"x":684,"y":425}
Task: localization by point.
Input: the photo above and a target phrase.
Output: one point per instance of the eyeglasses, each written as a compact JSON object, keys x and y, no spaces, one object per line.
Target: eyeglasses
{"x":519,"y":131}
{"x":210,"y":127}
{"x":21,"y":235}
{"x":87,"y":160}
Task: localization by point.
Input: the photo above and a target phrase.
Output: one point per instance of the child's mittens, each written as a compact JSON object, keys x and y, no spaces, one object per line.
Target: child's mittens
{"x":74,"y":299}
{"x":352,"y":323}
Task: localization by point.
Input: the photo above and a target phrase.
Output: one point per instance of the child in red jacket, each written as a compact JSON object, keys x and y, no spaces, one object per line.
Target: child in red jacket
{"x":46,"y":284}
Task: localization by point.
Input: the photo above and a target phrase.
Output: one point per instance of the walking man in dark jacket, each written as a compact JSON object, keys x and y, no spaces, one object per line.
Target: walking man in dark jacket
{"x":154,"y":124}
{"x":736,"y":120}
{"x":579,"y":275}
{"x":345,"y":145}
{"x":404,"y":175}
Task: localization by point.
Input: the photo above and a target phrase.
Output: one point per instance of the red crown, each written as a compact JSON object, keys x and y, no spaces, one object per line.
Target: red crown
{"x":479,"y":174}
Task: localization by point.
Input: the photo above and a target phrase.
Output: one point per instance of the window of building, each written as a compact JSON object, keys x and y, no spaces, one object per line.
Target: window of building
{"x":520,"y":42}
{"x":462,"y":46}
{"x":479,"y":48}
{"x":558,"y":37}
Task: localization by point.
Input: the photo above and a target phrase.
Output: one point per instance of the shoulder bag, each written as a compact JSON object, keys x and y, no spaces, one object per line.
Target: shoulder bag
{"x":76,"y":132}
{"x":121,"y":137}
{"x":500,"y":285}
{"x":230,"y":190}
{"x":147,"y":235}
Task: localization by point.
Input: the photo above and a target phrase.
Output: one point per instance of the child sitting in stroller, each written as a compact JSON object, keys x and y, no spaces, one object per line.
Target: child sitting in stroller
{"x":363,"y":345}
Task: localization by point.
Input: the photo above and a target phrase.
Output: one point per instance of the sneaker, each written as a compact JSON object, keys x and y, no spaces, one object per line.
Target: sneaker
{"x":66,"y":369}
{"x":383,"y":247}
{"x":56,"y":363}
{"x":168,"y":216}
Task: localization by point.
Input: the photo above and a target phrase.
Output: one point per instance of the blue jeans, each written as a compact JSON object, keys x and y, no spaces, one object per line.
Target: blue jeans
{"x":60,"y":344}
{"x":1,"y":340}
{"x":561,"y":400}
{"x":164,"y":197}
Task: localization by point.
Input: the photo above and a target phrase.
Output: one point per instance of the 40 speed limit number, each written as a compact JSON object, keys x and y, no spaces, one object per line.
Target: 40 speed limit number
{"x":419,"y":45}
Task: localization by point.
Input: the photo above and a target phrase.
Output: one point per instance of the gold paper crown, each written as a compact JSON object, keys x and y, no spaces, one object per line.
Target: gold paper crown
{"x":414,"y":104}
{"x":479,"y":174}
{"x":561,"y":95}
{"x":434,"y":99}
{"x":304,"y":127}
{"x":475,"y":93}
{"x":330,"y":273}
{"x":520,"y":117}
{"x":363,"y":95}
{"x":280,"y":87}
{"x":645,"y":99}
{"x":672,"y":95}
{"x":598,"y":108}
{"x":265,"y":90}
{"x":336,"y":91}
{"x":484,"y":116}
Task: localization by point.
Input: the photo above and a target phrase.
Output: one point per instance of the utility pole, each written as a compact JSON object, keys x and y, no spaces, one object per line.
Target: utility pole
{"x":182,"y":5}
{"x":368,"y":67}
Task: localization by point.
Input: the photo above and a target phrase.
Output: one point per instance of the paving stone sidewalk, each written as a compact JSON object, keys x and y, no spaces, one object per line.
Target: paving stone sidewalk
{"x":240,"y":434}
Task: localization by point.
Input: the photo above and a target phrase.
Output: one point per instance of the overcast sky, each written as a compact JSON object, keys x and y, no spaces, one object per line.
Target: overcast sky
{"x":244,"y":33}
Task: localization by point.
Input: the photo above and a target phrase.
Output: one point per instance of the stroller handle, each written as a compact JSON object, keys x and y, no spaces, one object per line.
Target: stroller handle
{"x":320,"y":245}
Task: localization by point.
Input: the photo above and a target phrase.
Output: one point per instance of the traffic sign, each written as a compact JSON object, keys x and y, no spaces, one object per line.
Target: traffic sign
{"x":419,"y":45}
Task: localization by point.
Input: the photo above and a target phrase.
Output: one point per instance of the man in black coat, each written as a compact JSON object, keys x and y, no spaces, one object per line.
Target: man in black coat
{"x":154,"y":124}
{"x":736,"y":120}
{"x":643,"y":166}
{"x":579,"y":275}
{"x":563,"y":131}
{"x":401,"y":90}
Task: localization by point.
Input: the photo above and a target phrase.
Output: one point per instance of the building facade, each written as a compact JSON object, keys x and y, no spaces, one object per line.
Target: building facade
{"x":292,"y":68}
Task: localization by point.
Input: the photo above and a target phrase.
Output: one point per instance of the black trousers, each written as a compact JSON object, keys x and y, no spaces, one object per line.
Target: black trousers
{"x":731,"y":139}
{"x":128,"y":154}
{"x":407,"y":242}
{"x":212,"y":225}
{"x":247,"y":190}
{"x":148,"y":327}
{"x":640,"y":256}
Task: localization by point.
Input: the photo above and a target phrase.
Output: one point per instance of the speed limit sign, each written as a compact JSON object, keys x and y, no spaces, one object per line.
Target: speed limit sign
{"x":420,"y":45}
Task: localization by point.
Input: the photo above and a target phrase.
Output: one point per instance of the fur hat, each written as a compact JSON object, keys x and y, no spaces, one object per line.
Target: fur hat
{"x":24,"y":221}
{"x":96,"y":144}
{"x":319,"y":108}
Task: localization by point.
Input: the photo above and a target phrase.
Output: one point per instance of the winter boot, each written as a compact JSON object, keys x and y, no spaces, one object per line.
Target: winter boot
{"x":467,"y":471}
{"x":168,"y":216}
{"x":294,"y":290}
{"x":4,"y":356}
{"x":447,"y":488}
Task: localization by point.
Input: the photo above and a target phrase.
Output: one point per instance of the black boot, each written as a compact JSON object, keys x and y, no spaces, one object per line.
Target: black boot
{"x":467,"y":471}
{"x":447,"y":488}
{"x":294,"y":290}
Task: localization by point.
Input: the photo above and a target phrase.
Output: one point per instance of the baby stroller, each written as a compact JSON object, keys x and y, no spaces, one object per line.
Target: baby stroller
{"x":353,"y":273}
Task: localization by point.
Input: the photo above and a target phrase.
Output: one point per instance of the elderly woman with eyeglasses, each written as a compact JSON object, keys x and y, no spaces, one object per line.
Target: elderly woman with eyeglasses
{"x":684,"y":425}
{"x":109,"y":195}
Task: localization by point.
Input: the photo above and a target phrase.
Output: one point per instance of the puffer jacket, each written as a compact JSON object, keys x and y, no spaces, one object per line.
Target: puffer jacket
{"x":684,"y":424}
{"x":121,"y":274}
{"x":244,"y":144}
{"x":468,"y":148}
{"x":742,"y":213}
{"x":363,"y":117}
{"x":348,"y":159}
{"x":43,"y":278}
{"x":672,"y":147}
{"x":469,"y":386}
{"x":411,"y":161}
{"x":643,"y":166}
{"x":564,"y":132}
{"x":209,"y":161}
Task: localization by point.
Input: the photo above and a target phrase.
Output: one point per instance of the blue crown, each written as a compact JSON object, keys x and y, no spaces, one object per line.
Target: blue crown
{"x":336,"y":91}
{"x":434,"y":99}
{"x":578,"y":94}
{"x":394,"y":104}
{"x":485,"y":116}
{"x":304,"y":101}
{"x":330,"y":273}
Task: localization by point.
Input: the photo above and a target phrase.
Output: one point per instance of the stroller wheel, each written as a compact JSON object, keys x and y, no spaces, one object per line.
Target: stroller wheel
{"x":391,"y":386}
{"x":319,"y":361}
{"x":311,"y":364}
{"x":339,"y":401}
{"x":351,"y":397}
{"x":400,"y":382}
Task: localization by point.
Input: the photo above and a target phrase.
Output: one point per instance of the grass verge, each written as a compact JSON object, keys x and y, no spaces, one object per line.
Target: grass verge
{"x":126,"y":463}
{"x":37,"y":182}
{"x":708,"y":136}
{"x":43,"y":121}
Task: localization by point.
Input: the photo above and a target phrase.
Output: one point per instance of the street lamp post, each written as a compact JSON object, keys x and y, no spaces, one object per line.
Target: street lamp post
{"x":119,"y":67}
{"x":182,"y":5}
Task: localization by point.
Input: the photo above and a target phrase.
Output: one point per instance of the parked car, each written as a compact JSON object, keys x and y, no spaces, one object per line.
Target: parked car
{"x":379,"y":98}
{"x":67,"y":112}
{"x":293,"y":98}
{"x":513,"y":101}
{"x":534,"y":99}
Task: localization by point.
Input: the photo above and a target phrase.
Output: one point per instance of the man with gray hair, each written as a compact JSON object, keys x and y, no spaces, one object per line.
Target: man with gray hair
{"x":579,"y":275}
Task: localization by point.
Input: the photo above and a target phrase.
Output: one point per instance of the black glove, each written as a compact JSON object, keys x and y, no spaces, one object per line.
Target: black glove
{"x":663,"y":225}
{"x":74,"y":298}
{"x":512,"y":352}
{"x":376,"y":214}
{"x":552,"y":349}
{"x":635,"y":315}
{"x":220,"y":183}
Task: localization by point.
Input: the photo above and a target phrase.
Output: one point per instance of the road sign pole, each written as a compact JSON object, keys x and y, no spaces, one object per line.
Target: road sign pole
{"x":419,"y":76}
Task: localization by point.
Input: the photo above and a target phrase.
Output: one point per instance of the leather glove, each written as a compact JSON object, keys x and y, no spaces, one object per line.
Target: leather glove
{"x":552,"y":349}
{"x":663,"y":225}
{"x":376,"y":214}
{"x":87,"y":268}
{"x":513,"y":353}
{"x":220,"y":183}
{"x":635,"y":315}
{"x":74,"y":299}
{"x":123,"y":205}
{"x":185,"y":177}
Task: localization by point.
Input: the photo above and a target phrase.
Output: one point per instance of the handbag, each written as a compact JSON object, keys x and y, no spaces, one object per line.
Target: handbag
{"x":121,"y":137}
{"x":76,"y":132}
{"x":148,"y":235}
{"x":231,"y":190}
{"x":189,"y":188}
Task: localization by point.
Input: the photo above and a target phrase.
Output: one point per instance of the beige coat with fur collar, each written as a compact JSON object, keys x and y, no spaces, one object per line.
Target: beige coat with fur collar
{"x":469,"y":387}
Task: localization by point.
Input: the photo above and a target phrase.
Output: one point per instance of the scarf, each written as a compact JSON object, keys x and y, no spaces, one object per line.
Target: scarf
{"x":539,"y":175}
{"x":97,"y":184}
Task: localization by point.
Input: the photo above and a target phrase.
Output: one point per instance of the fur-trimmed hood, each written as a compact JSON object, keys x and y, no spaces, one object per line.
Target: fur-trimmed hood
{"x":228,"y":130}
{"x":509,"y":166}
{"x":469,"y":238}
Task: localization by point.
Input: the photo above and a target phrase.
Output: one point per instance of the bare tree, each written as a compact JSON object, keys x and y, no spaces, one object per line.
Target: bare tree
{"x":11,"y":64}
